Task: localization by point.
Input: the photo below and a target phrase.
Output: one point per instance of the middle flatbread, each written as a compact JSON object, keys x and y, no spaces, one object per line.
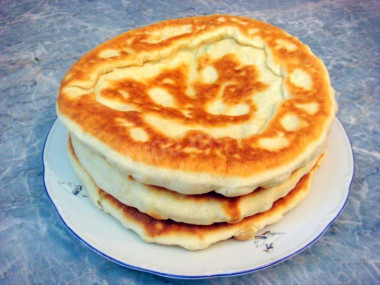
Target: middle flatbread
{"x":163,"y":204}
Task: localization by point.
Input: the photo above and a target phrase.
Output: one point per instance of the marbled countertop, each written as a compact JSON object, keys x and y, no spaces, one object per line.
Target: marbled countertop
{"x":40,"y":40}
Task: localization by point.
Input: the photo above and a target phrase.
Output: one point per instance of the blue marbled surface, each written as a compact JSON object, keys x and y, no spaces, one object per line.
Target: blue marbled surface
{"x":40,"y":40}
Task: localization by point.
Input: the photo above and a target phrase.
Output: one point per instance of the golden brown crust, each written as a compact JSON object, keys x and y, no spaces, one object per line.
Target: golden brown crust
{"x":227,"y":156}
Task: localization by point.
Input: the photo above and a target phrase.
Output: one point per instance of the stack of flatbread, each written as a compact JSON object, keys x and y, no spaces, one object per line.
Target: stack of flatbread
{"x":196,"y":130}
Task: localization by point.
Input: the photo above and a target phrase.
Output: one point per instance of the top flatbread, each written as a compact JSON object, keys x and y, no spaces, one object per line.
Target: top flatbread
{"x":200,"y":104}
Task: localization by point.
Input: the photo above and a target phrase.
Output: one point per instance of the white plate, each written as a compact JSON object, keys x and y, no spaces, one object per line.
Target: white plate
{"x":296,"y":231}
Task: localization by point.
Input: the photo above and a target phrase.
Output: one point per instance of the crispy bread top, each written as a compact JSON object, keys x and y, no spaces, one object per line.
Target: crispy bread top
{"x":220,"y":102}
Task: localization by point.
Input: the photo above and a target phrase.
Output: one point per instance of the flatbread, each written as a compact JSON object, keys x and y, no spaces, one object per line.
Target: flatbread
{"x":210,"y":103}
{"x":161,"y":203}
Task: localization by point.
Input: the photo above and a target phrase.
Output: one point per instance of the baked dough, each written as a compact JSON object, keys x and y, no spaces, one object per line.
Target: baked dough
{"x":211,"y":103}
{"x":163,"y":204}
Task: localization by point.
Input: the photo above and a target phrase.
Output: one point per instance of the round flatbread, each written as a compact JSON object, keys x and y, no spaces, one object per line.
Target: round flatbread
{"x":211,"y":103}
{"x":163,"y":204}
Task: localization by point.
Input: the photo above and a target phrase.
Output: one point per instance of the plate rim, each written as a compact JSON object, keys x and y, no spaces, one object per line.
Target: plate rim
{"x":194,"y":277}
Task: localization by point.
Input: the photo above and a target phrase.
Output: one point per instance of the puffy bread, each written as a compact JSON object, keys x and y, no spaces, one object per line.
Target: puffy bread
{"x":192,"y":237}
{"x":164,"y":204}
{"x":220,"y":103}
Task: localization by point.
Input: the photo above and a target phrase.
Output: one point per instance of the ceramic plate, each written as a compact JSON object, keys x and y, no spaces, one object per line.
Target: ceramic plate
{"x":296,"y":231}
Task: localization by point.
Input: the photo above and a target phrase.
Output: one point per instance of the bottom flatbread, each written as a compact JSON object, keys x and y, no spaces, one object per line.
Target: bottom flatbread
{"x":192,"y":237}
